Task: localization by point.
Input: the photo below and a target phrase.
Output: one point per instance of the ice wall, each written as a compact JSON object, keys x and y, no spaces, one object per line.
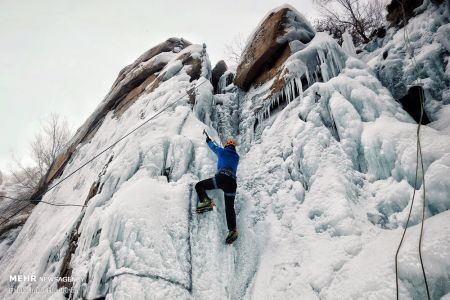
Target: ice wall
{"x":418,"y":56}
{"x":329,"y":183}
{"x":137,"y":237}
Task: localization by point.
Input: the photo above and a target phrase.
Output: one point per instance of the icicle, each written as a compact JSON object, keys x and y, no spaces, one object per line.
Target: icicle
{"x":333,"y":69}
{"x":300,"y":92}
{"x":347,"y":44}
{"x":308,"y":79}
{"x":293,"y":87}
{"x":298,"y":81}
{"x":288,"y":90}
{"x":296,"y":85}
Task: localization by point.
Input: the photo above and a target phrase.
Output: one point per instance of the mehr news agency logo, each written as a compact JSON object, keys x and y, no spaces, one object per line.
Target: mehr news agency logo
{"x":14,"y":280}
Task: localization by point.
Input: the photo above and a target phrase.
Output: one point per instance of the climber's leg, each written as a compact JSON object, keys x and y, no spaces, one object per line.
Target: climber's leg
{"x":205,"y":203}
{"x":229,"y":186}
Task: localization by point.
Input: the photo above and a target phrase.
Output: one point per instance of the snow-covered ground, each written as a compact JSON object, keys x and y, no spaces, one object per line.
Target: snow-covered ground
{"x":324,"y":188}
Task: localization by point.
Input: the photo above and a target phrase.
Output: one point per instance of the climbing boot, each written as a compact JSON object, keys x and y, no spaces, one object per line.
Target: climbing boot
{"x":232,"y":236}
{"x":206,"y":205}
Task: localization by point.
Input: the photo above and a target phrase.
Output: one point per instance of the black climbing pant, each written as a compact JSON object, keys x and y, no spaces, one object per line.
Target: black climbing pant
{"x":228,"y":185}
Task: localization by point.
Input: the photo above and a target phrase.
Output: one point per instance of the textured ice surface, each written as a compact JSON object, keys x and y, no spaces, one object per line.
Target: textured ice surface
{"x":329,"y":179}
{"x":325,"y":185}
{"x":347,"y":44}
{"x":427,"y":43}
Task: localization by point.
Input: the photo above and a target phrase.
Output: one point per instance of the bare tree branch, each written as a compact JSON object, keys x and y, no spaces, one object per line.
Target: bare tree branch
{"x":44,"y":149}
{"x":234,"y":49}
{"x":359,"y":17}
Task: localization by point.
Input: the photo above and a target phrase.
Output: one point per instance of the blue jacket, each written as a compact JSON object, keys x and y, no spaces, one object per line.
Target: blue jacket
{"x":227,"y":158}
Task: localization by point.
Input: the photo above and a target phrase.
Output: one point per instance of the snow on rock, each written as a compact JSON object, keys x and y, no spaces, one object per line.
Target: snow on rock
{"x":271,"y":38}
{"x":139,"y":77}
{"x":136,"y":223}
{"x":321,"y":60}
{"x":443,"y":120}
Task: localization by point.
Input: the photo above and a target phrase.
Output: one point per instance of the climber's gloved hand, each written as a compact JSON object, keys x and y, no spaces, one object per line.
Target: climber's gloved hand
{"x":207,"y":139}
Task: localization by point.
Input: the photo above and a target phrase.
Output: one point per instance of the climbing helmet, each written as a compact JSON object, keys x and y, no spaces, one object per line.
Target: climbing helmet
{"x":230,"y":142}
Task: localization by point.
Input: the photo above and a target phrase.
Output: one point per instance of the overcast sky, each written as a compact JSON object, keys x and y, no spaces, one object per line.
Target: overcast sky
{"x":62,"y":56}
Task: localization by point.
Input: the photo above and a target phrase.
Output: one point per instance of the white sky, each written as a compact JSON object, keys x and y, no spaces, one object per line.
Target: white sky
{"x":63,"y":55}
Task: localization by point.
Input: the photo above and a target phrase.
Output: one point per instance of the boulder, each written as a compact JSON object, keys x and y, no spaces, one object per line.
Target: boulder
{"x":269,"y":42}
{"x":219,"y":69}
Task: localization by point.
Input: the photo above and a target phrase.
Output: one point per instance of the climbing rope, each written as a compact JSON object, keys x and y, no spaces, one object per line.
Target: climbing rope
{"x":92,"y":159}
{"x":49,"y":203}
{"x":418,"y":155}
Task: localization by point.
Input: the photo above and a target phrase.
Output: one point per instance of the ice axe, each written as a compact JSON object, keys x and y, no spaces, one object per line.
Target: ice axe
{"x":205,"y":133}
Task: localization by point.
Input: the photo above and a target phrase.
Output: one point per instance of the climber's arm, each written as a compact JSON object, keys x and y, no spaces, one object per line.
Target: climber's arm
{"x":216,"y":149}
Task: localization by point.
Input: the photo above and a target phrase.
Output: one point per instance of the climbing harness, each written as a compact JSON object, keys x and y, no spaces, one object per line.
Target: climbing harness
{"x":228,"y":173}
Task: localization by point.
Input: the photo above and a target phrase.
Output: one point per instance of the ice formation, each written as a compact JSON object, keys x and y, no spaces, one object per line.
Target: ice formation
{"x":325,"y":185}
{"x":319,"y":61}
{"x":397,"y":61}
{"x":347,"y":44}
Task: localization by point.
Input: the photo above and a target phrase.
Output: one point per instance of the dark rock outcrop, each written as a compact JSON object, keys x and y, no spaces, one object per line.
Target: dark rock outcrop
{"x":219,"y":69}
{"x":268,"y":48}
{"x":411,"y":103}
{"x":395,"y":14}
{"x":380,"y":32}
{"x":395,"y":11}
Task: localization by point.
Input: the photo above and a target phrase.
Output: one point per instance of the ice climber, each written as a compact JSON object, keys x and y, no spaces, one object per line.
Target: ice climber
{"x":225,"y":179}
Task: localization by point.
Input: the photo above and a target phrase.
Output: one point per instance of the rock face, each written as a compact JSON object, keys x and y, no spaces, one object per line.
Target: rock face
{"x":217,"y":72}
{"x":143,"y":75}
{"x":270,"y":42}
{"x":395,"y":11}
{"x":411,"y":103}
